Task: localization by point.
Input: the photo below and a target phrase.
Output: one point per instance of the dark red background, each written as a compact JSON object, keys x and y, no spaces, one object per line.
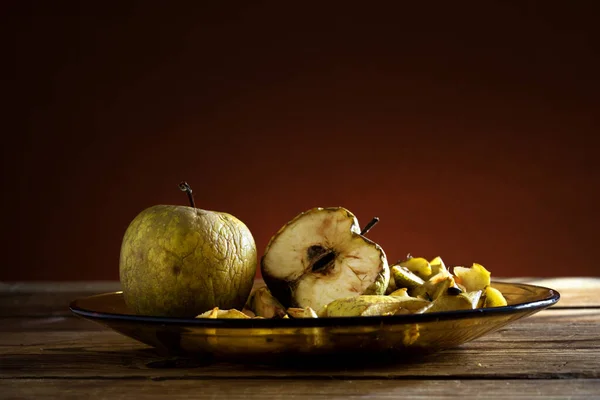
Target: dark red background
{"x":470,"y":128}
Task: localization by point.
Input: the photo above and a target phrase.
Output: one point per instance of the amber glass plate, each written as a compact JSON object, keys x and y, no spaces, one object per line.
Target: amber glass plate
{"x":276,"y":339}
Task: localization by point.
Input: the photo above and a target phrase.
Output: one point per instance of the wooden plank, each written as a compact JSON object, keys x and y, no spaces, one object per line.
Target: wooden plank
{"x":127,"y":361}
{"x":574,"y":291}
{"x":38,"y":304}
{"x":551,"y":344}
{"x":298,"y":389}
{"x":60,"y":287}
{"x":47,"y":324}
{"x":47,"y":298}
{"x":53,"y":298}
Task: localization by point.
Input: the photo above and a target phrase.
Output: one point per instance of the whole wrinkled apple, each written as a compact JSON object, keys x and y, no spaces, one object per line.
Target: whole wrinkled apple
{"x":180,"y":261}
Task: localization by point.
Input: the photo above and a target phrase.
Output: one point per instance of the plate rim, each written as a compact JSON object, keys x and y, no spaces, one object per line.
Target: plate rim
{"x":533,"y":306}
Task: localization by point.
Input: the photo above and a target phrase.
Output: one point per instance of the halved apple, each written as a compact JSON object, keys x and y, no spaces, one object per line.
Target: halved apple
{"x":320,"y":256}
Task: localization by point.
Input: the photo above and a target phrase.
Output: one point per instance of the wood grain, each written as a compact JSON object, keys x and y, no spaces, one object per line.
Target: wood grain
{"x":298,"y":389}
{"x":38,"y":304}
{"x":47,"y":298}
{"x":58,"y":323}
{"x":574,"y":291}
{"x":532,"y":348}
{"x":134,"y":362}
{"x":46,"y":352}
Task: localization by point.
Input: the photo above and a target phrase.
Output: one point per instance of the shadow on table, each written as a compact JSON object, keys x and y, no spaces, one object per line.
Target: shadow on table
{"x":86,"y":359}
{"x":346,"y":361}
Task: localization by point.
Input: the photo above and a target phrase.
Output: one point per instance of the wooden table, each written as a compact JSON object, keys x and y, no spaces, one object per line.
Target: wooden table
{"x":45,"y":352}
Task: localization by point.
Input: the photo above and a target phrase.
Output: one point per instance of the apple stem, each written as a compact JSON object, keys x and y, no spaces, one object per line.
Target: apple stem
{"x":184,"y":187}
{"x":370,"y":225}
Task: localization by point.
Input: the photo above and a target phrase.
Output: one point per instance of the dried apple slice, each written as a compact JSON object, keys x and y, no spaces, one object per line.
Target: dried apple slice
{"x":418,"y":266}
{"x":227,"y":314}
{"x":451,"y":303}
{"x":405,"y":278}
{"x":474,"y":278}
{"x":363,"y":306}
{"x":262,"y":303}
{"x":494,"y":298}
{"x":437,"y":265}
{"x":307,"y":312}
